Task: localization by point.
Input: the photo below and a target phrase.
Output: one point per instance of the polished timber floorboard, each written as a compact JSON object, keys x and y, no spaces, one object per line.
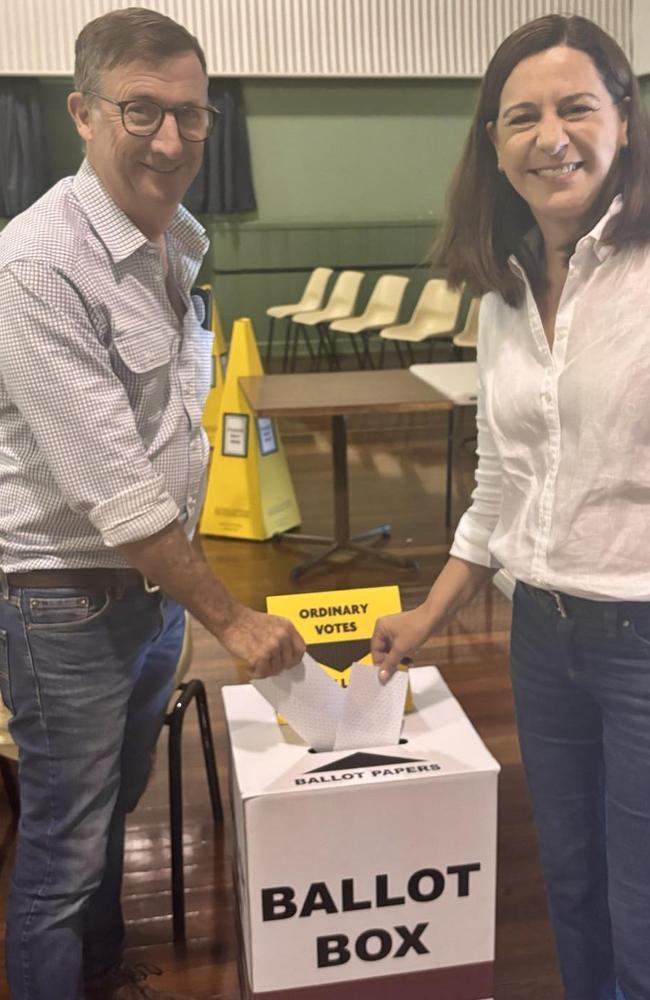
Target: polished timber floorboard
{"x":396,"y":475}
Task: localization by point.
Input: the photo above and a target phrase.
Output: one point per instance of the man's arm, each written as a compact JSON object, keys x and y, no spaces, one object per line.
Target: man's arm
{"x":268,"y":643}
{"x":59,"y":376}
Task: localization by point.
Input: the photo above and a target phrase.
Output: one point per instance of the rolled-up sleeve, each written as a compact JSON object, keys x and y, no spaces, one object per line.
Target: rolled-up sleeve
{"x":58,"y":375}
{"x":475,"y":528}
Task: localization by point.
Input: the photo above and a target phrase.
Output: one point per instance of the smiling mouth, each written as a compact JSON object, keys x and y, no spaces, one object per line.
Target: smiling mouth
{"x":156,"y":170}
{"x":564,"y":168}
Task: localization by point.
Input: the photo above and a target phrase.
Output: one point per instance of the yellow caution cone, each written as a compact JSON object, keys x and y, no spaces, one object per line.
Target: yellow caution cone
{"x":250,"y":493}
{"x":211,"y":409}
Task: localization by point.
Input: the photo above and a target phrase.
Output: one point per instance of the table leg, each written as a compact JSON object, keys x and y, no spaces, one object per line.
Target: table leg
{"x":342,"y":539}
{"x":451,"y":430}
{"x":340,"y":474}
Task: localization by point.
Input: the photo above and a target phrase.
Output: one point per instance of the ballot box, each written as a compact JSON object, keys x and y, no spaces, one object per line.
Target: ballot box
{"x":367,"y":873}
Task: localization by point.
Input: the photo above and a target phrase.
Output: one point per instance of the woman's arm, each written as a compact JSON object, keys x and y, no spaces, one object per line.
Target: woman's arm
{"x":396,"y":636}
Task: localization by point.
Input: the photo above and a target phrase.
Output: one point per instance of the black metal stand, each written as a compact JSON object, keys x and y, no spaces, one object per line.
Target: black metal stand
{"x":9,"y":772}
{"x":342,"y":539}
{"x":192,"y":690}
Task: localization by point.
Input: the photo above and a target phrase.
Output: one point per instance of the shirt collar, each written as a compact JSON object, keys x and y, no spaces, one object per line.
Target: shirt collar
{"x":594,"y":238}
{"x":121,"y":236}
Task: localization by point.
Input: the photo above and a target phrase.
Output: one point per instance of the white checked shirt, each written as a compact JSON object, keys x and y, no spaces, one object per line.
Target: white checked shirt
{"x":101,"y":385}
{"x":562,"y":498}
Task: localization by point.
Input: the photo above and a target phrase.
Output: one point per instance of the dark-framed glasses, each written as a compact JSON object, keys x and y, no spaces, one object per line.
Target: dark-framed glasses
{"x":143,"y":117}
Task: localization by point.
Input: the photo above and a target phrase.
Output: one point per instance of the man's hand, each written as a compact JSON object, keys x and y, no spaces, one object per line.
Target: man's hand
{"x":270,"y":644}
{"x":396,"y":636}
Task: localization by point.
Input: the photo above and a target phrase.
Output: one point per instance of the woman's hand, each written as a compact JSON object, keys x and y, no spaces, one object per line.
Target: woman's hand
{"x":397,"y":636}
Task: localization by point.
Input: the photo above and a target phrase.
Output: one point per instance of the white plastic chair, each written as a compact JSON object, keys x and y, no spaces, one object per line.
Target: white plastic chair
{"x":468,"y":336}
{"x":340,"y":305}
{"x":382,"y":308}
{"x":312,"y":298}
{"x":435,"y":317}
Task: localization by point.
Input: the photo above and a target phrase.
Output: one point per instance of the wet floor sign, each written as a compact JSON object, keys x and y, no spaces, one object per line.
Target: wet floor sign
{"x":250,"y":493}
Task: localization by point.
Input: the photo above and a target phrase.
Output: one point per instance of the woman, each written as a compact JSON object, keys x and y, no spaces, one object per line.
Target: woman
{"x":550,"y":222}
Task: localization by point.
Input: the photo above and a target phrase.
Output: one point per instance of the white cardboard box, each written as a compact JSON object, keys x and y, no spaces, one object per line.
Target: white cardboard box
{"x":364,"y":873}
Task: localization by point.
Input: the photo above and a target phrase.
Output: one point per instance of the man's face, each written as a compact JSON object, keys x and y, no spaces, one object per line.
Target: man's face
{"x":147,"y":176}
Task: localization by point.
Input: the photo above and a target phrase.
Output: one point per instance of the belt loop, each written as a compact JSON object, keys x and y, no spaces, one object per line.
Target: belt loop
{"x":559,"y":603}
{"x":4,"y":585}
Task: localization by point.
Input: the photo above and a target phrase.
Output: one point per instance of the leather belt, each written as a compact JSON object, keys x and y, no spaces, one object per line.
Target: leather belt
{"x":101,"y":579}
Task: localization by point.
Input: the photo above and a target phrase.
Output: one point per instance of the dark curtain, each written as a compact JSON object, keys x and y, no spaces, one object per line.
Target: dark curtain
{"x":224,"y":184}
{"x":22,"y":145}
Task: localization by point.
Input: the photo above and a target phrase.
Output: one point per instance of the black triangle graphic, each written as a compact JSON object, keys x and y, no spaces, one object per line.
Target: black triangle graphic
{"x":339,"y":655}
{"x":359,"y":759}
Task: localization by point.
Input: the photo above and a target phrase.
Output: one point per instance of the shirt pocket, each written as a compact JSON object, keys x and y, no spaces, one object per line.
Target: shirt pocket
{"x":143,"y":365}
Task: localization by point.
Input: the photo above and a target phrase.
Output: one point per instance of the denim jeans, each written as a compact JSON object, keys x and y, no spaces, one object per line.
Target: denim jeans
{"x":582,"y":695}
{"x":88,"y":677}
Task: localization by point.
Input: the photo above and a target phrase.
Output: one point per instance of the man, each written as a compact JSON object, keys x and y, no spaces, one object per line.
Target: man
{"x":102,"y":465}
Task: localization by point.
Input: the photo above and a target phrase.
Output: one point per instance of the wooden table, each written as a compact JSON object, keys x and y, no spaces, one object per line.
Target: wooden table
{"x":336,"y":395}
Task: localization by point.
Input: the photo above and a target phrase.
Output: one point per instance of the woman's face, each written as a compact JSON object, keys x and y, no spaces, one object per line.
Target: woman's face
{"x":557,"y":135}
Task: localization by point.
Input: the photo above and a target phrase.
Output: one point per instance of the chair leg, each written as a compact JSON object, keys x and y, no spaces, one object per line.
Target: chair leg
{"x":330,"y":341}
{"x":310,"y":349}
{"x":398,"y":348}
{"x":287,"y":345}
{"x":353,"y":341}
{"x":175,"y":722}
{"x":269,"y":344}
{"x":10,"y":780}
{"x":366,"y":349}
{"x":294,"y":347}
{"x":208,"y":751}
{"x":192,"y":689}
{"x":321,"y":350}
{"x":409,"y":346}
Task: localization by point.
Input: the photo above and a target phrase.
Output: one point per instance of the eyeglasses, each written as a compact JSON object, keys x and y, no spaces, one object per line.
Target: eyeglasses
{"x":144,"y":117}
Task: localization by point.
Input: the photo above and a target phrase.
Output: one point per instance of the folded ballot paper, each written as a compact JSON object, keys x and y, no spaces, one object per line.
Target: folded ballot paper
{"x":328,"y":717}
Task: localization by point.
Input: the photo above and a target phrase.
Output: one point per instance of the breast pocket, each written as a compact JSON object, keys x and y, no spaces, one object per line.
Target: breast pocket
{"x":142,"y":363}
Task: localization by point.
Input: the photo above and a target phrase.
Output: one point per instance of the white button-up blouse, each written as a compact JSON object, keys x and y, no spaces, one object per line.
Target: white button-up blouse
{"x":562,"y":497}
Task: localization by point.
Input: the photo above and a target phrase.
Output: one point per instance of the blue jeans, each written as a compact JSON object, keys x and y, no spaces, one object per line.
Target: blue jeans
{"x":582,"y":695}
{"x":88,"y":677}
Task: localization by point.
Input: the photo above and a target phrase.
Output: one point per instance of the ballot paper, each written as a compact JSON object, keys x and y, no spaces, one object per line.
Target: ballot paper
{"x":329,"y":717}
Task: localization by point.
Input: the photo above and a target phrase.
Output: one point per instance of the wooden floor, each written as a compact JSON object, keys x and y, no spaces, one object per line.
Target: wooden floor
{"x":397,"y":474}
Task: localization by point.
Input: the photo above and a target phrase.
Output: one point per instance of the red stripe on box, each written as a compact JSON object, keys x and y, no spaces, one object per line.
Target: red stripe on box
{"x":459,"y":982}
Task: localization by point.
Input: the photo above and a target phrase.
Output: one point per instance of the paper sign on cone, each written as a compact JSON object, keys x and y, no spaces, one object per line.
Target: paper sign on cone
{"x":211,"y":409}
{"x":250,"y":493}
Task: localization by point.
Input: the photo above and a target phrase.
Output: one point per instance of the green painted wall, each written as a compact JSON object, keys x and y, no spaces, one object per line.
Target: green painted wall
{"x":346,"y":173}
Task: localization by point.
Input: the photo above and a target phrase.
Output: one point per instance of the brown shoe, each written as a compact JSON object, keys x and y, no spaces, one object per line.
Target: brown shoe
{"x":127,"y":982}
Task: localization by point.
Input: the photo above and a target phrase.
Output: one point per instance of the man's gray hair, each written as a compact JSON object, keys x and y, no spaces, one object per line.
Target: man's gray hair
{"x":124,"y":36}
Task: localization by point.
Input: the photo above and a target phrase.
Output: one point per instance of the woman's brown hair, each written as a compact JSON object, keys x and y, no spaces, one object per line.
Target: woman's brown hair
{"x":487,"y":219}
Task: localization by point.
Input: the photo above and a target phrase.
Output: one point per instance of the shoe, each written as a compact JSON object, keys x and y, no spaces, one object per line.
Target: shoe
{"x":127,"y":982}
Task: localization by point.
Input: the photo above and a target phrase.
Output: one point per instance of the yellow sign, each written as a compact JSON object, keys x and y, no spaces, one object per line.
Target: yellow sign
{"x":337,"y":625}
{"x":250,"y":493}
